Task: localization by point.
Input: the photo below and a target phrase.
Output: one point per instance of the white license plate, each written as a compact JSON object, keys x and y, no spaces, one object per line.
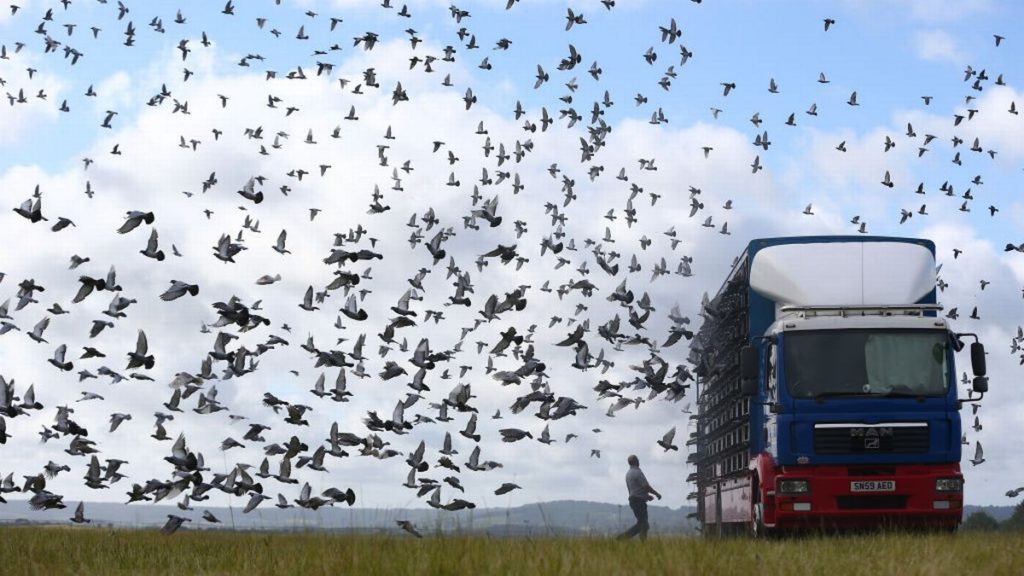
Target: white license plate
{"x":873,"y":486}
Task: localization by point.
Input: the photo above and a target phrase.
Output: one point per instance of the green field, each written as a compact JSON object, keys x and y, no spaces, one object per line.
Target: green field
{"x":48,"y":551}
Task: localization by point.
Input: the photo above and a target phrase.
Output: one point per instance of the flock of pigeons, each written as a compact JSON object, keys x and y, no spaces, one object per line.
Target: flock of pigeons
{"x":519,"y":357}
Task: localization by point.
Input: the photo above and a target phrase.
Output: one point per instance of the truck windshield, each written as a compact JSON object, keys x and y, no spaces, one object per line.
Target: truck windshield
{"x":857,"y":363}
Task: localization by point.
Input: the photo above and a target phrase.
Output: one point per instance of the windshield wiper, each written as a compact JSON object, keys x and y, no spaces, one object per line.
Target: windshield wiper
{"x":902,"y":395}
{"x":835,"y":394}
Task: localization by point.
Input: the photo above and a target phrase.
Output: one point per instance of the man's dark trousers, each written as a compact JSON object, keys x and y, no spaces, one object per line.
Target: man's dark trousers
{"x":639,"y":507}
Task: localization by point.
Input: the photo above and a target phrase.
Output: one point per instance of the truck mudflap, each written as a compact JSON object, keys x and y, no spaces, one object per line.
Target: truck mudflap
{"x":862,"y":496}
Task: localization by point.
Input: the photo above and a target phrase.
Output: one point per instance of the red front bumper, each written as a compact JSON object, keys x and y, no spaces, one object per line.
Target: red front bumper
{"x":833,"y":502}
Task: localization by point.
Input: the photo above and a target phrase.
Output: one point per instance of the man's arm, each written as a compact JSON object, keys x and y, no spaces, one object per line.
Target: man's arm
{"x":650,"y":488}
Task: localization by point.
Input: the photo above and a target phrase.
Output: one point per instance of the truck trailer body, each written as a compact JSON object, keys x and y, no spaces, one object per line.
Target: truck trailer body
{"x":827,"y":390}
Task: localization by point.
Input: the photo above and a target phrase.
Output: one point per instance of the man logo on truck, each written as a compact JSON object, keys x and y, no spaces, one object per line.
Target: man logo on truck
{"x":870,"y":438}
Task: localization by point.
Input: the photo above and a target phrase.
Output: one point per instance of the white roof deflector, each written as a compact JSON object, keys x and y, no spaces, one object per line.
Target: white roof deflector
{"x":843,"y":273}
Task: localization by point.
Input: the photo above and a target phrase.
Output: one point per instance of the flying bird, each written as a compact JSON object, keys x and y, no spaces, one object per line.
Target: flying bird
{"x":141,"y":358}
{"x":666,"y":440}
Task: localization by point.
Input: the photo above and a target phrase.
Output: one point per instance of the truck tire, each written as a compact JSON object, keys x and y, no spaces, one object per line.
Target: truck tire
{"x":757,"y":528}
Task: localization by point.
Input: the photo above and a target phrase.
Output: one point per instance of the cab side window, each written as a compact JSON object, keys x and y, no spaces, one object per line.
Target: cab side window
{"x":770,"y":375}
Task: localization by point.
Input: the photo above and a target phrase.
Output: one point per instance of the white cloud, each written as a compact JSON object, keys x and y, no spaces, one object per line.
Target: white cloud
{"x":938,"y":46}
{"x":926,"y":10}
{"x":980,"y":260}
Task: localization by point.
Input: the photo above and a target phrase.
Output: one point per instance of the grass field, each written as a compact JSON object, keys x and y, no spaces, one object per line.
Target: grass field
{"x":83,"y":552}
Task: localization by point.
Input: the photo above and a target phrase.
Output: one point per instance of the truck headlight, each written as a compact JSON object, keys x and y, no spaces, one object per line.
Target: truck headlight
{"x":949,"y":484}
{"x":793,"y":487}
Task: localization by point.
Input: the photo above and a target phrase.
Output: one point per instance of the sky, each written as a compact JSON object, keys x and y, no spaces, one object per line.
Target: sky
{"x":892,"y":54}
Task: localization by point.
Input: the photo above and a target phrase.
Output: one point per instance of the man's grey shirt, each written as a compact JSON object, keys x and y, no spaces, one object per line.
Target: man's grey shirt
{"x":636,"y":483}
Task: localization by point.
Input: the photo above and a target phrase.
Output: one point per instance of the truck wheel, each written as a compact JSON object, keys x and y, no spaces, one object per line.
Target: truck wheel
{"x":757,"y":527}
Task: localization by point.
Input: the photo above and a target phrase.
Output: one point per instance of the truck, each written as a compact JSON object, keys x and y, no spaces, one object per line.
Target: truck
{"x":827,"y":391}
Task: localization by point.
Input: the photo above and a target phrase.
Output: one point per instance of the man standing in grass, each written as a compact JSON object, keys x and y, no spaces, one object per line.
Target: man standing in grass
{"x":639,"y":494}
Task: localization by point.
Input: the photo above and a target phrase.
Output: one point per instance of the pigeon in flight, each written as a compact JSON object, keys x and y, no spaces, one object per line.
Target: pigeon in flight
{"x":666,"y":440}
{"x":979,"y":454}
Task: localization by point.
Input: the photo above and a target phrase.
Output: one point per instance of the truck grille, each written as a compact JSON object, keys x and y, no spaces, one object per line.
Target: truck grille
{"x":904,"y":438}
{"x":873,"y":502}
{"x":872,"y":471}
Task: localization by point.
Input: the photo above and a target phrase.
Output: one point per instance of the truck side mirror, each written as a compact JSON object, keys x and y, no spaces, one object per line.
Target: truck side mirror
{"x":980,"y":384}
{"x":748,"y":370}
{"x":978,"y":358}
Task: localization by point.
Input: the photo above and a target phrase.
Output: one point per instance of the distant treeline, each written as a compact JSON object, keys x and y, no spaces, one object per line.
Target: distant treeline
{"x":982,"y":521}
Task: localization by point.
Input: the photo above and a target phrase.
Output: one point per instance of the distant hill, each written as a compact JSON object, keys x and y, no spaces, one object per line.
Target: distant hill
{"x":561,"y":517}
{"x":1000,"y":513}
{"x":557,"y":517}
